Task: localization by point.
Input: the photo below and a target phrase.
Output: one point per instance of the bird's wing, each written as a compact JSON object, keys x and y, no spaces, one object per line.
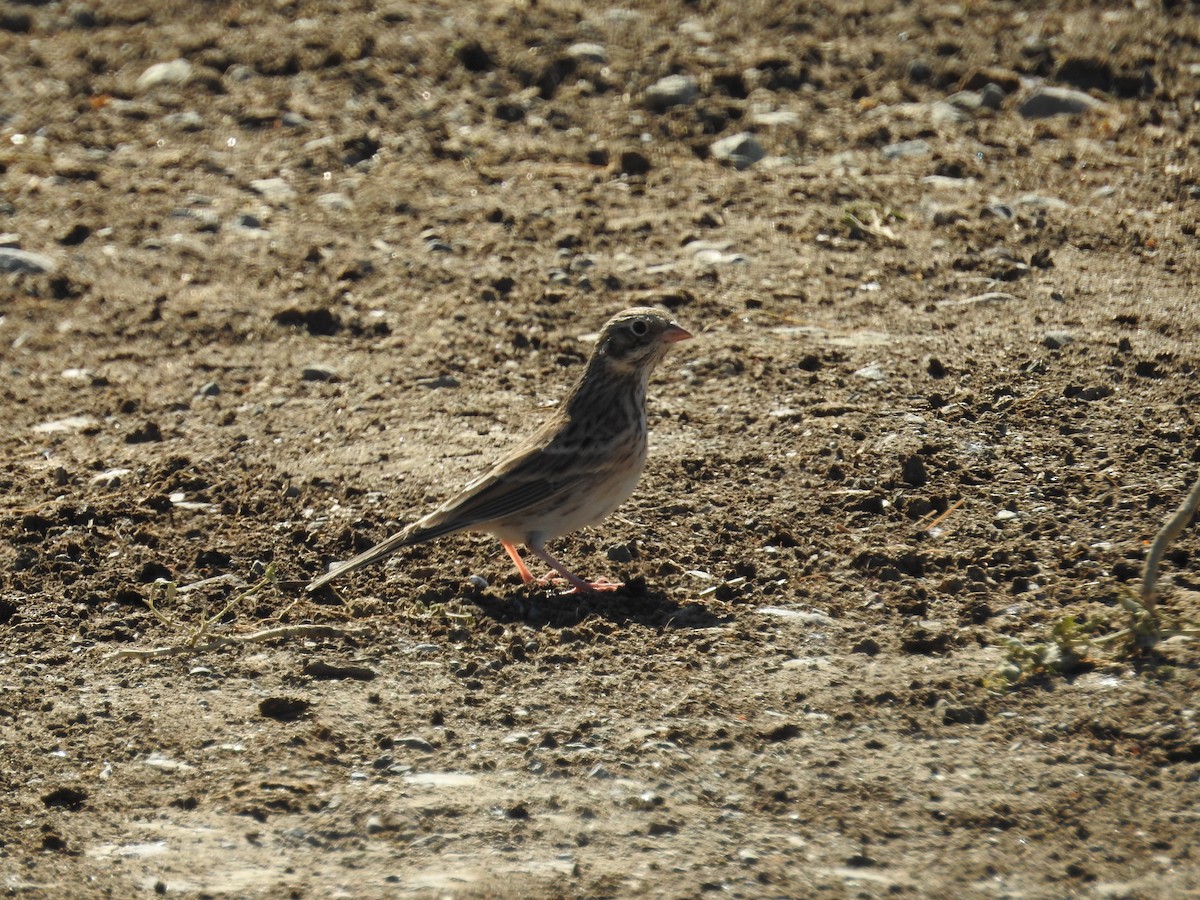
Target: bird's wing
{"x":536,"y":472}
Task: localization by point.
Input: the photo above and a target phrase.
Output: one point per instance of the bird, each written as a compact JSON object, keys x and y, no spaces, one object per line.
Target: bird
{"x":571,"y":473}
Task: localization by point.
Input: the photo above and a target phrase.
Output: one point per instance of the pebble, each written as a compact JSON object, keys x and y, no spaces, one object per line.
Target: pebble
{"x":784,"y":117}
{"x":811,"y":617}
{"x":966,"y":100}
{"x":620,"y":553}
{"x":248,"y":221}
{"x":872,"y":372}
{"x":945,"y":182}
{"x":188,"y":120}
{"x":274,"y":190}
{"x":906,"y":150}
{"x":442,"y":779}
{"x":157,"y":760}
{"x":992,"y":95}
{"x":441,"y":381}
{"x":945,"y":113}
{"x":110,"y":479}
{"x":1039,"y":201}
{"x":335,"y":201}
{"x":741,"y":150}
{"x":25,"y":261}
{"x":69,"y":424}
{"x":1056,"y":340}
{"x":175,"y":73}
{"x":413,"y":742}
{"x":1047,"y":101}
{"x":673,"y":90}
{"x":588,"y":52}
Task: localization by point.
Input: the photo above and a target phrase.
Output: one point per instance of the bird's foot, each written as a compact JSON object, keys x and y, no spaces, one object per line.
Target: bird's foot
{"x":579,"y":586}
{"x":595,"y":587}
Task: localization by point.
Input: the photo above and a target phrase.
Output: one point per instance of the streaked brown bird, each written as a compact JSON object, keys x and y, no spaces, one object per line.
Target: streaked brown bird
{"x":572,"y":472}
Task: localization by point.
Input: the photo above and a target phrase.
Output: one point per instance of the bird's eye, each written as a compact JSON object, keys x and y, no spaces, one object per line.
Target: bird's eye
{"x":639,"y":327}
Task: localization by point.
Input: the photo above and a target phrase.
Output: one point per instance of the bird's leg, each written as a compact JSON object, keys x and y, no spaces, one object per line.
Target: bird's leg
{"x":522,"y":569}
{"x":575,"y":581}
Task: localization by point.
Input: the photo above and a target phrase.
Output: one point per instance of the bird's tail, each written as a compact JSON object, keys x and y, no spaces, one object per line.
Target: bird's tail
{"x":414,"y":534}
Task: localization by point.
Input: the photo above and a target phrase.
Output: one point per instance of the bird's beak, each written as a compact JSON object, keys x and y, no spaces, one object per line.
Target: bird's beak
{"x":674,"y":333}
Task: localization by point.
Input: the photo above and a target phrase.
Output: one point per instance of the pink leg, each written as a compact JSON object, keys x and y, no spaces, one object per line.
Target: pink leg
{"x":577,"y":583}
{"x":522,"y":570}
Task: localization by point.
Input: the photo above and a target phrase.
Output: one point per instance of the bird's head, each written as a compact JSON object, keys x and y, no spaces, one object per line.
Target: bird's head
{"x":633,"y":341}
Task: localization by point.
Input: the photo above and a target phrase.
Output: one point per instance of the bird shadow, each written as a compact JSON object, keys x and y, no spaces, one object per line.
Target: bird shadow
{"x":635,"y":603}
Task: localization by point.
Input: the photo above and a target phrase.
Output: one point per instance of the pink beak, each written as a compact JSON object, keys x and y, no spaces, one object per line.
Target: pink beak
{"x":674,"y":333}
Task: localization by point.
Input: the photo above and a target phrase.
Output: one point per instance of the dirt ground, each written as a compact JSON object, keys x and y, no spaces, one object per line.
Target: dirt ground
{"x":291,"y":292}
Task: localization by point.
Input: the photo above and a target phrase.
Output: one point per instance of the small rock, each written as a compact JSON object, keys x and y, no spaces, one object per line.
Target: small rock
{"x":906,"y":150}
{"x":1055,"y":101}
{"x":673,"y":90}
{"x":274,"y":190}
{"x":1041,"y":201}
{"x":588,"y":52}
{"x":741,"y":150}
{"x":25,"y":261}
{"x":414,"y":742}
{"x":109,"y":479}
{"x":945,"y":113}
{"x":620,"y":553}
{"x":872,"y":372}
{"x":175,"y":73}
{"x":992,"y":96}
{"x":780,"y":117}
{"x":335,"y":202}
{"x":327,"y":671}
{"x":441,"y":381}
{"x":317,"y":372}
{"x":1056,"y":340}
{"x":248,"y":221}
{"x":965,"y":100}
{"x":69,"y":424}
{"x":188,"y":120}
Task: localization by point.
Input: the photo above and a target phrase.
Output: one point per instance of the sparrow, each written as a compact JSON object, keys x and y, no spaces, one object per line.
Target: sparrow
{"x":569,"y":474}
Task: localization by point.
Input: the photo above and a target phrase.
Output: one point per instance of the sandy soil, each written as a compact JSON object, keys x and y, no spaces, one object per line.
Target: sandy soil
{"x":304,"y":285}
